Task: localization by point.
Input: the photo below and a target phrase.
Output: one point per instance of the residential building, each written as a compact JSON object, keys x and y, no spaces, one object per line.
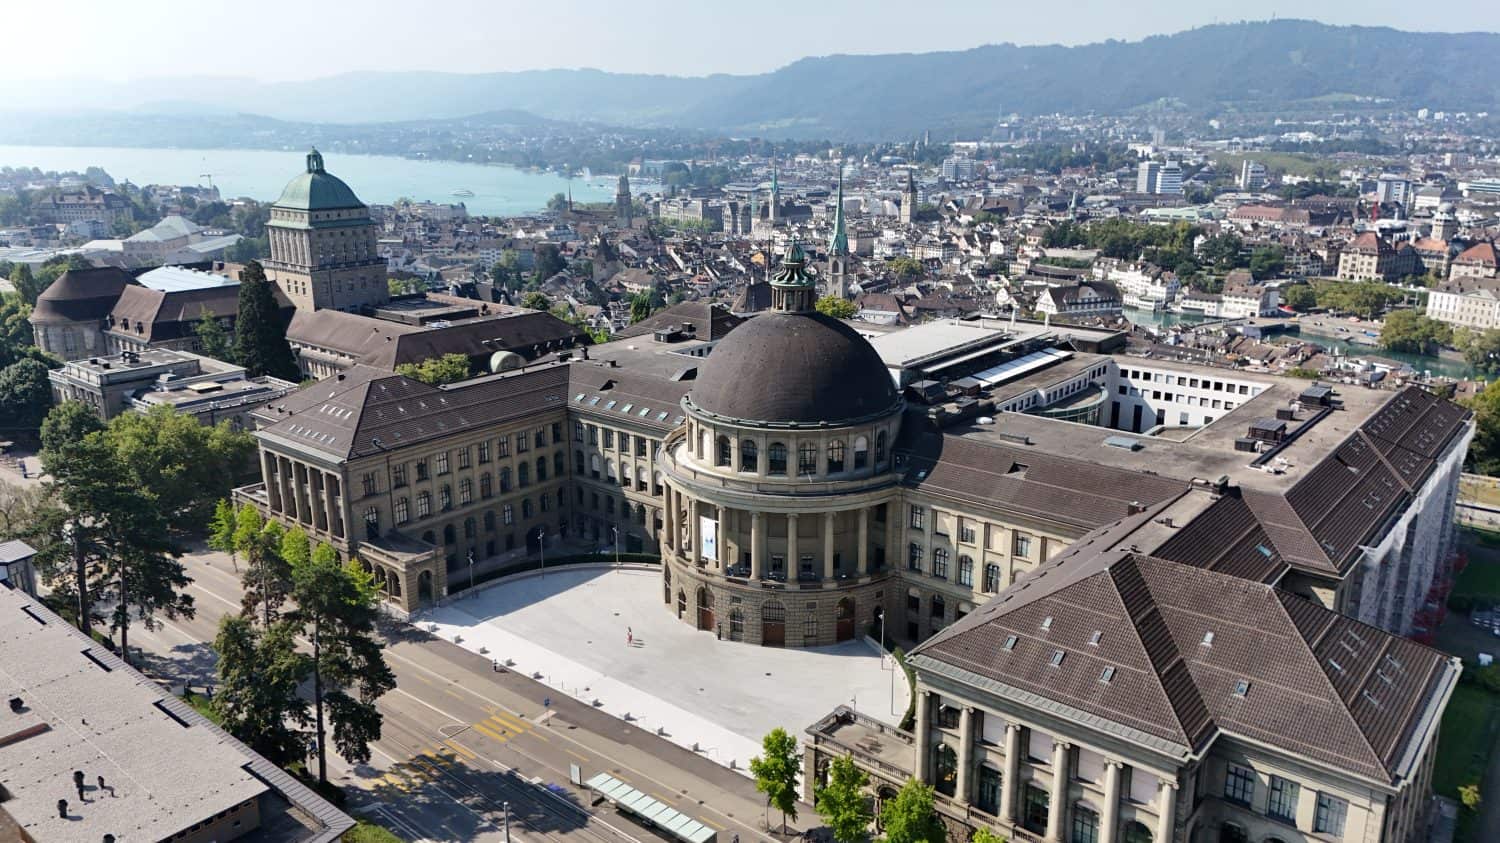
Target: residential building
{"x":1373,"y":258}
{"x":86,"y":203}
{"x":1478,"y":261}
{"x":1472,"y":302}
{"x":1148,"y":177}
{"x":1083,"y":298}
{"x":1252,"y":175}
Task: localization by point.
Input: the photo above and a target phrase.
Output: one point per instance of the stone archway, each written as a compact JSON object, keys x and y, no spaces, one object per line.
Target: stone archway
{"x":845,"y":625}
{"x":705,"y":610}
{"x":773,"y":624}
{"x":681,"y":604}
{"x":424,"y":586}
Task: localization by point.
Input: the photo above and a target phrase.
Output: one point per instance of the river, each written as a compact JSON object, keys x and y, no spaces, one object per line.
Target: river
{"x":378,"y":179}
{"x":1444,"y":366}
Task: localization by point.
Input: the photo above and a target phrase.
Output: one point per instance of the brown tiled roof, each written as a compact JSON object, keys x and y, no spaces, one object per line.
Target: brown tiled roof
{"x":82,"y":294}
{"x":1196,"y":653}
{"x":172,"y":315}
{"x":386,"y":344}
{"x":709,"y":322}
{"x":1482,"y":252}
{"x":1072,"y":491}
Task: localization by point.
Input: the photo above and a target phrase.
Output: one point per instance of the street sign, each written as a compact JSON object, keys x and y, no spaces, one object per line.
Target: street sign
{"x":575,"y":775}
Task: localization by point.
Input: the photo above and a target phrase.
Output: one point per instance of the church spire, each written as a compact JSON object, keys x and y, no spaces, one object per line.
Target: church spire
{"x":839,"y":243}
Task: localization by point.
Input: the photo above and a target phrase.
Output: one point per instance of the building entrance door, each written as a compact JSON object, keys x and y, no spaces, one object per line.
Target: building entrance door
{"x":705,"y":611}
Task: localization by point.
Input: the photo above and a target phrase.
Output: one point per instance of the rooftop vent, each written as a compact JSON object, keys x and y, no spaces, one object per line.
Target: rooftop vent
{"x":1208,"y":639}
{"x":1057,"y":657}
{"x":1107,"y":674}
{"x":1241,"y":688}
{"x":1125,"y":442}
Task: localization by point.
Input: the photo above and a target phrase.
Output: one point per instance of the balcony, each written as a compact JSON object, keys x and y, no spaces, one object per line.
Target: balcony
{"x":880,"y":747}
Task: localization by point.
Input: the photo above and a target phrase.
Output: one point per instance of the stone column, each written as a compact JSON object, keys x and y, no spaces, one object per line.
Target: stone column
{"x":287,"y":476}
{"x":965,"y":755}
{"x":1109,"y":818}
{"x":792,"y":562}
{"x":722,"y":546}
{"x":665,"y":538}
{"x":923,"y":768}
{"x":829,"y":572}
{"x":864,"y":540}
{"x":272,"y":481}
{"x":893,"y":551}
{"x":1057,"y":809}
{"x":1166,"y":820}
{"x":809,"y":773}
{"x":757,"y":546}
{"x":332,"y":491}
{"x":694,"y":538}
{"x":300,"y":480}
{"x":1009,"y":785}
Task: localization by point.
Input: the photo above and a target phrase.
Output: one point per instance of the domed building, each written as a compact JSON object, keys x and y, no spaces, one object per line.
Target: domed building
{"x":323,"y":252}
{"x":780,"y":495}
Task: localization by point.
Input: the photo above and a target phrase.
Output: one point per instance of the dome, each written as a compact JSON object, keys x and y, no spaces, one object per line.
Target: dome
{"x":317,"y":190}
{"x":798,"y":368}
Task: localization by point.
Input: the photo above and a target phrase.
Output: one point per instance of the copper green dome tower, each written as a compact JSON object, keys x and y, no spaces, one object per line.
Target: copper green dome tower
{"x":794,"y":288}
{"x":323,"y":244}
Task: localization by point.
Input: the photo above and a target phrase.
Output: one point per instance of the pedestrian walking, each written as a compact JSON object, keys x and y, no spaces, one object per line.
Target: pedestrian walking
{"x":629,"y":636}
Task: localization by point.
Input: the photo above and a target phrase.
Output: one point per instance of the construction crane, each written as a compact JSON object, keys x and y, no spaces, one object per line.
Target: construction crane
{"x":210,"y":177}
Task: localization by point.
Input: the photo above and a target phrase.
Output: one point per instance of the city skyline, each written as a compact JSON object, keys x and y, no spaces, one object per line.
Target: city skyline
{"x":624,"y":39}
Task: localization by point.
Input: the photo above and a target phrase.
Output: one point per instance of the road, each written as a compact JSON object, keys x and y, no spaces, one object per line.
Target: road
{"x":460,"y":740}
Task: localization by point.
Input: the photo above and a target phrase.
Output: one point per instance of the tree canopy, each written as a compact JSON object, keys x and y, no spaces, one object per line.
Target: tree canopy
{"x":911,"y":817}
{"x":1410,"y":331}
{"x":449,"y":368}
{"x":836,"y":307}
{"x":775,"y":771}
{"x":842,"y":803}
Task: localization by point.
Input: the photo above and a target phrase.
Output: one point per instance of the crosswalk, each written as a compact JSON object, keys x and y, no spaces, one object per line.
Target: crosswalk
{"x":446,"y":756}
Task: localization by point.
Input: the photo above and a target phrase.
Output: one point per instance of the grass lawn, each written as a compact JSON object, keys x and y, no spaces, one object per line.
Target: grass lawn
{"x":201,"y":705}
{"x":368,"y":832}
{"x":1484,"y":492}
{"x":1464,"y":739}
{"x":1482,"y":577}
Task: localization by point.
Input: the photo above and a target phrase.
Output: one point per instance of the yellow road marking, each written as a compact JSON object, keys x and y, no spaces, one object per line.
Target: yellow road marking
{"x":461,"y":749}
{"x":512,"y":721}
{"x":452,"y":693}
{"x":662,"y":799}
{"x":576,"y":755}
{"x":712,"y":823}
{"x":489,"y":733}
{"x":423,"y":766}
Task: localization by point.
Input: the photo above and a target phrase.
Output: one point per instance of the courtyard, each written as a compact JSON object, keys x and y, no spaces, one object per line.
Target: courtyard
{"x":602,"y":635}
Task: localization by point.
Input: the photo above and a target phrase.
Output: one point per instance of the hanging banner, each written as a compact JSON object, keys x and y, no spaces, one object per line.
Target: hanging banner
{"x":708,"y":538}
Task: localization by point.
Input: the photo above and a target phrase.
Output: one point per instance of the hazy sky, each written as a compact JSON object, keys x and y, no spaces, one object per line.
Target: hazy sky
{"x":299,"y":39}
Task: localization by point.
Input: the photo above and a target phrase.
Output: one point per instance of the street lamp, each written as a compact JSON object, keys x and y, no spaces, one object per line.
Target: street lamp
{"x":616,"y":531}
{"x":471,"y":571}
{"x":541,"y":546}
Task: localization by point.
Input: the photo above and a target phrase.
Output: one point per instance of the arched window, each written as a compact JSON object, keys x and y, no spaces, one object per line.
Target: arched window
{"x":945,"y":766}
{"x":558,"y":466}
{"x":471,"y":528}
{"x":747,"y":455}
{"x":807,"y":459}
{"x":541,"y":469}
{"x":626,"y":474}
{"x":526,"y":508}
{"x":940,"y":564}
{"x":594,"y":465}
{"x":489,"y":520}
{"x":486,"y":485}
{"x":880,"y":448}
{"x":736,"y":624}
{"x":609,"y":469}
{"x":449,"y":535}
{"x":776,"y":459}
{"x":505,"y":480}
{"x":725,"y":455}
{"x":965,"y":571}
{"x":523,"y":475}
{"x":939,"y":607}
{"x":861,"y":453}
{"x":835,"y":456}
{"x":1136,"y":832}
{"x":579,"y":463}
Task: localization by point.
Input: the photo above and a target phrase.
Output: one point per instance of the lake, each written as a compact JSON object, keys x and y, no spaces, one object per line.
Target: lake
{"x":376,"y":179}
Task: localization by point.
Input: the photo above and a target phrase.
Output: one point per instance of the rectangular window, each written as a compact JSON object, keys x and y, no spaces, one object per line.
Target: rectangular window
{"x":1282,"y":804}
{"x":424,"y":505}
{"x":609,"y":438}
{"x":625,"y":442}
{"x":421,"y":469}
{"x":593,"y":435}
{"x":398,"y":475}
{"x":914,"y":558}
{"x":916,"y":517}
{"x":578,"y":431}
{"x":463,"y":457}
{"x":508,"y":515}
{"x":539,"y":437}
{"x":465,"y":490}
{"x":965,"y":571}
{"x":557,"y":432}
{"x":484,"y":452}
{"x":1239,"y":784}
{"x":403,"y":511}
{"x":523,"y":444}
{"x":1023,"y":546}
{"x":368,"y":483}
{"x":502,"y":446}
{"x":991,"y":578}
{"x":442,"y":463}
{"x":1330,"y":815}
{"x":965,"y":533}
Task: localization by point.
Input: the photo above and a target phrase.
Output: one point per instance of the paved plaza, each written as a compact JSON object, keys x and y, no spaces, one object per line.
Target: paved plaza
{"x":570,"y":626}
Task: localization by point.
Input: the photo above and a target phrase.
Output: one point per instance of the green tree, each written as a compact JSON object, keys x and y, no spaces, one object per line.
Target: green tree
{"x":1469,"y":795}
{"x":296,"y":548}
{"x":1410,"y":331}
{"x":221,"y":529}
{"x":67,"y":424}
{"x":906,"y":268}
{"x":1481,"y":349}
{"x":836,"y":307}
{"x":548,"y":262}
{"x":268,"y":576}
{"x":1223,"y":252}
{"x":449,"y":368}
{"x":558,"y":202}
{"x":1267,"y":262}
{"x":22,"y":278}
{"x":189,"y":466}
{"x":1299,"y":297}
{"x":775,"y":771}
{"x":536,"y":300}
{"x":336,"y":611}
{"x":640,"y":306}
{"x":25,"y":395}
{"x":259,"y":673}
{"x":984,"y":835}
{"x":116,"y":529}
{"x":213,"y":340}
{"x":1484,"y":450}
{"x":260,"y":335}
{"x":841,"y":802}
{"x":911,"y":817}
{"x":15,"y":329}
